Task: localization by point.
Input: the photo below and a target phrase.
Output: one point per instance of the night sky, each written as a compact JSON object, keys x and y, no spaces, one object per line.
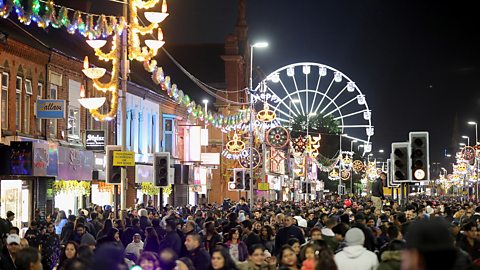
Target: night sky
{"x":416,"y":61}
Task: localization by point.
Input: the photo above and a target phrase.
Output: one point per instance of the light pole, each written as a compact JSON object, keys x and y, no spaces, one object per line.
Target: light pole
{"x":255,"y":45}
{"x":476,"y":159}
{"x":468,"y":139}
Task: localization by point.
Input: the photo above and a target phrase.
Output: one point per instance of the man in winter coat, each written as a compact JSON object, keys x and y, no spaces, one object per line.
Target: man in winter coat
{"x":354,"y":256}
{"x":172,"y":239}
{"x":242,"y":205}
{"x":196,"y":253}
{"x":287,"y":232}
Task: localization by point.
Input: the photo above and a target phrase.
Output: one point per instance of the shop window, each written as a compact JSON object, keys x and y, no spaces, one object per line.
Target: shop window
{"x":154,"y":133}
{"x":4,"y":78}
{"x":140,"y":129}
{"x":73,"y":122}
{"x":28,"y":99}
{"x":18,"y":103}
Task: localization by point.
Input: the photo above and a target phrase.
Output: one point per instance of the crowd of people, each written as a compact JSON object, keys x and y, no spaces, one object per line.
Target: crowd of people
{"x":343,"y":234}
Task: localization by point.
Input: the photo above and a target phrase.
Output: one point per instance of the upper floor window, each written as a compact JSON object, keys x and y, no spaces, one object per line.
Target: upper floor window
{"x":4,"y":82}
{"x":169,"y":143}
{"x":18,"y":103}
{"x":26,"y":107}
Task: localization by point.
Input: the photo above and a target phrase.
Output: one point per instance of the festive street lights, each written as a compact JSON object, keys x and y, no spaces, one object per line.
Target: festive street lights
{"x":252,"y":47}
{"x":129,"y":32}
{"x":476,"y":159}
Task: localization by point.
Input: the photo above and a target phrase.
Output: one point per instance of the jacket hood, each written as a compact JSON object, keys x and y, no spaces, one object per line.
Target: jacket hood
{"x":392,"y":256}
{"x":354,"y":251}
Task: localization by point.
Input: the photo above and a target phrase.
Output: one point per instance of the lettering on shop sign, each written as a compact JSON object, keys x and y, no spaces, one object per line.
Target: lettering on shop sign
{"x":50,"y":109}
{"x":95,"y":140}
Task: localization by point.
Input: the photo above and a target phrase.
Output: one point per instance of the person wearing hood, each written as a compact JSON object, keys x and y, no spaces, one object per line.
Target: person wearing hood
{"x":355,"y":256}
{"x":391,"y":258}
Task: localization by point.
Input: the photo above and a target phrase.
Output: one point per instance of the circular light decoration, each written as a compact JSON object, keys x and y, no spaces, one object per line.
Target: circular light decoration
{"x":299,"y":144}
{"x":419,"y":174}
{"x":278,"y":137}
{"x":235,"y":145}
{"x":469,"y":153}
{"x":345,"y":174}
{"x":245,"y":158}
{"x":358,"y":166}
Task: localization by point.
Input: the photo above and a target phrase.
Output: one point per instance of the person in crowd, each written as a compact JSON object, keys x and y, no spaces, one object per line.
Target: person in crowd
{"x":325,"y":260}
{"x":130,"y":231}
{"x":470,"y":242}
{"x":151,"y":240}
{"x":288,"y":259}
{"x":85,"y":254}
{"x":391,"y":259}
{"x":50,"y":247}
{"x":144,"y":221}
{"x":294,"y":243}
{"x":267,"y":237}
{"x":360,"y":222}
{"x":237,"y":249}
{"x":211,"y":237}
{"x":377,"y":191}
{"x":60,"y":222}
{"x":68,"y":230}
{"x":112,"y":238}
{"x":429,"y":246}
{"x":107,"y":225}
{"x":33,"y":234}
{"x":184,"y":263}
{"x":221,"y":260}
{"x":95,"y":220}
{"x":355,"y":256}
{"x":28,"y":259}
{"x":68,"y":253}
{"x":249,"y":236}
{"x":9,"y":255}
{"x":172,"y":239}
{"x":159,"y":230}
{"x":82,"y":237}
{"x":257,"y":260}
{"x":6,"y":224}
{"x":149,"y":261}
{"x":242,"y":206}
{"x":289,"y":231}
{"x":199,"y":256}
{"x":136,"y":246}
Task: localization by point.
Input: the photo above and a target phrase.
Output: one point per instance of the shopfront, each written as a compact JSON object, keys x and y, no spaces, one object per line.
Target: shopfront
{"x":73,"y":185}
{"x":28,"y":168}
{"x":102,"y":193}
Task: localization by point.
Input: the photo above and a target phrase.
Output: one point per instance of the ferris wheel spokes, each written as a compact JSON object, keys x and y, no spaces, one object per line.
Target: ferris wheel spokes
{"x":298,"y":93}
{"x":333,"y":99}
{"x":326,"y":93}
{"x":286,"y":92}
{"x":315,"y":94}
{"x":283,"y":102}
{"x":350,"y":114}
{"x":341,"y":106}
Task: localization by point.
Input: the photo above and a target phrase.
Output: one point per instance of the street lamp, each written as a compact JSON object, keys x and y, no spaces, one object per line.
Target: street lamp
{"x":468,"y":139}
{"x":255,"y":45}
{"x":381,"y":151}
{"x":472,"y":123}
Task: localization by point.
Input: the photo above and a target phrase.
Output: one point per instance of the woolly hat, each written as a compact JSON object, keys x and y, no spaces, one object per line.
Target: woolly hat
{"x":354,"y":237}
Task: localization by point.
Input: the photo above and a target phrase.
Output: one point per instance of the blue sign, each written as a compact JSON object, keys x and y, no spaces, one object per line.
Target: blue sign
{"x":50,"y":109}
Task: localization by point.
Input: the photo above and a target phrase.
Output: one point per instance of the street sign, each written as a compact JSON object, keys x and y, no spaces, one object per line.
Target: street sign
{"x":95,"y":140}
{"x":263,"y":186}
{"x":124,"y":158}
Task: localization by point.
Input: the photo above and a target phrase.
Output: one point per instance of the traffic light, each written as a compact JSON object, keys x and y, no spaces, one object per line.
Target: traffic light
{"x":400,"y":162}
{"x":161,"y":166}
{"x":113,"y":173}
{"x":246,"y":180}
{"x":420,"y":156}
{"x":239,"y":178}
{"x":231,"y":184}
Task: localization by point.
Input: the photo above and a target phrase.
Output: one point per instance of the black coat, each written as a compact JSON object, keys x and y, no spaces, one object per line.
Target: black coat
{"x":172,"y":240}
{"x":377,"y":188}
{"x":200,"y":258}
{"x":286,"y":233}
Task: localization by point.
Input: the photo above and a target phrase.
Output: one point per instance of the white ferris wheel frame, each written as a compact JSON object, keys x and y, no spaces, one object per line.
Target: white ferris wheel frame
{"x":300,"y":110}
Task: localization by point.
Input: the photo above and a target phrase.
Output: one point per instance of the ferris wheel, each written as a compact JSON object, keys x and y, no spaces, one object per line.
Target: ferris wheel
{"x":311,"y":89}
